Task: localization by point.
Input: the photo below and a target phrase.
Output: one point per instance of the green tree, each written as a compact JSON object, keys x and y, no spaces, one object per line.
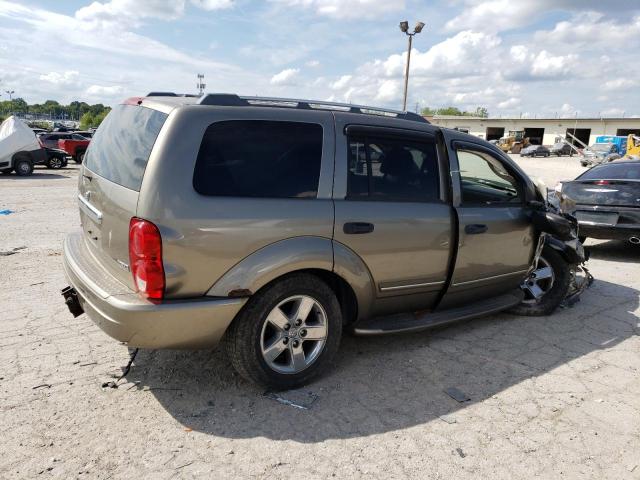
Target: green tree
{"x":86,"y":121}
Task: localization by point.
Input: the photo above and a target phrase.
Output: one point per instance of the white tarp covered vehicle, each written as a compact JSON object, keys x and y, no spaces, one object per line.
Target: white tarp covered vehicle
{"x":19,"y":147}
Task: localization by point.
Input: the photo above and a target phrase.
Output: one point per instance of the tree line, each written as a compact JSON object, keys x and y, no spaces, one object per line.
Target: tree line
{"x":89,"y":116}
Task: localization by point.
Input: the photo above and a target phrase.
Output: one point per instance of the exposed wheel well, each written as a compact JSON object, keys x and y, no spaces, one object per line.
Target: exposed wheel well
{"x":345,"y":294}
{"x":343,"y":291}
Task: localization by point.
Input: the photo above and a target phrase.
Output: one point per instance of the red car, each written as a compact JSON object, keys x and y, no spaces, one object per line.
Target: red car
{"x":76,"y":146}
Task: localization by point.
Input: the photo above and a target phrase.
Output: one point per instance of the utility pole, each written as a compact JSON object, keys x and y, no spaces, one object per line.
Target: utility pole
{"x":404,"y":27}
{"x":200,"y":85}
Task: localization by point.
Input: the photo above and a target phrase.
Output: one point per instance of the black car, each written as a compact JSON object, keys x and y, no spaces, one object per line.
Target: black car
{"x":606,"y":201}
{"x":535,"y":151}
{"x":56,"y":158}
{"x":561,"y":148}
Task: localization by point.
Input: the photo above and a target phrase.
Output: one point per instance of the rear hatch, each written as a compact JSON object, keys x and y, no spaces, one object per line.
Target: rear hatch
{"x":109,"y":183}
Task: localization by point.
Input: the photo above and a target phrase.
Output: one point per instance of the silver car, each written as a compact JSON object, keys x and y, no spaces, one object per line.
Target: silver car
{"x":276,"y":224}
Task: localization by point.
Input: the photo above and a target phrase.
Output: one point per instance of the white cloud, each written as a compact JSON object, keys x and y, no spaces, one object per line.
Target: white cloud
{"x":341,"y":83}
{"x":509,"y":103}
{"x":347,"y":9}
{"x":285,"y":77}
{"x":213,"y":4}
{"x":620,"y":84}
{"x":612,"y":112}
{"x":103,"y":91}
{"x":67,"y":78}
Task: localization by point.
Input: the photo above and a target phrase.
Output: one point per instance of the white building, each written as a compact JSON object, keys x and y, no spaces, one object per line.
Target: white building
{"x":541,"y":130}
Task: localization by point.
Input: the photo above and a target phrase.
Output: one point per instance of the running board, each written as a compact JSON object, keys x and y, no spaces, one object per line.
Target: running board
{"x":415,"y":322}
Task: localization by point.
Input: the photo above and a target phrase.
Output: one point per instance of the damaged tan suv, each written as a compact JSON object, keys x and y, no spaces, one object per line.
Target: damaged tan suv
{"x":276,"y":224}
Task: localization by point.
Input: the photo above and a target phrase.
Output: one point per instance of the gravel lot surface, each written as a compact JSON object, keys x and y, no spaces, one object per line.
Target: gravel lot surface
{"x":550,"y":397}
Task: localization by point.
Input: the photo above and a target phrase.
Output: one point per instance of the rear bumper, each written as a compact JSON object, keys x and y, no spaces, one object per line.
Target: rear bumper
{"x":125,"y":316}
{"x":618,"y":232}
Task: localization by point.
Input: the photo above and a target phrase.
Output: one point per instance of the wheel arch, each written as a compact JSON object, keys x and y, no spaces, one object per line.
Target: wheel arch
{"x":339,"y":267}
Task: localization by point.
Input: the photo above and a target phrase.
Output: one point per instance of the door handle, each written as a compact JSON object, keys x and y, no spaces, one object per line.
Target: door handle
{"x":475,"y":228}
{"x":357,"y":228}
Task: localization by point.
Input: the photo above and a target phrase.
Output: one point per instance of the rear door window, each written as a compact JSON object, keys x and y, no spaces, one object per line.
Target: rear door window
{"x":259,"y":158}
{"x":393,"y":169}
{"x":120,"y":148}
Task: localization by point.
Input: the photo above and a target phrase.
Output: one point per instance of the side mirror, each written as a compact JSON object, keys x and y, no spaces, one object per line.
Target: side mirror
{"x":553,"y":224}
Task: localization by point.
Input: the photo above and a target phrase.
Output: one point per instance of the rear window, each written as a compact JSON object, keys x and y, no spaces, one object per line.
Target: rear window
{"x":613,"y":171}
{"x":120,"y":148}
{"x":259,"y":158}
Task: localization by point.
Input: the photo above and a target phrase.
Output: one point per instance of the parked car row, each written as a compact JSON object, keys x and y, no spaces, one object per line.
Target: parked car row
{"x":21,"y":147}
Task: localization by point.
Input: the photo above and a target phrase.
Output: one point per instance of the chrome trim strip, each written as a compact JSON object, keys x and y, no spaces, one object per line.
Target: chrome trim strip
{"x":413,"y":285}
{"x":519,"y":272}
{"x":89,"y":209}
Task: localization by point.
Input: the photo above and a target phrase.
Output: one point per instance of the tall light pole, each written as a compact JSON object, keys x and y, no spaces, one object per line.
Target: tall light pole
{"x":404,"y":27}
{"x":10,"y":92}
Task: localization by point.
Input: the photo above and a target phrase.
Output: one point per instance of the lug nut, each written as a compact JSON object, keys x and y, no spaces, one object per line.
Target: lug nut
{"x":298,"y":322}
{"x":303,"y":333}
{"x":296,"y":343}
{"x":287,"y":326}
{"x":285,"y":340}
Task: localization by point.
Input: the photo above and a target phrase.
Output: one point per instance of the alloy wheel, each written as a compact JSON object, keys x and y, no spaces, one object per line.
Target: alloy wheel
{"x":294,"y":334}
{"x":539,"y":282}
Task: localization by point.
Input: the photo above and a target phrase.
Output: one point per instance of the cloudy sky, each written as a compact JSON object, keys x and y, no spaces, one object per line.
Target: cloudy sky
{"x":531,"y":57}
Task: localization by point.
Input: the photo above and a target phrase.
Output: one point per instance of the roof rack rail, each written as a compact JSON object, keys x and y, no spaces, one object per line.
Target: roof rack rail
{"x":170,"y":94}
{"x":233,"y":100}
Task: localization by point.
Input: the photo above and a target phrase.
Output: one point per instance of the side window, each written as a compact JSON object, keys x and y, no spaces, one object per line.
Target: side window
{"x":485,"y":180}
{"x":393,"y":169}
{"x":259,"y":158}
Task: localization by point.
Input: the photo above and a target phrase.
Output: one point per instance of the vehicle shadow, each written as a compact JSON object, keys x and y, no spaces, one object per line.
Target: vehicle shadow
{"x":36,"y":174}
{"x":614,"y":250}
{"x":381,"y":384}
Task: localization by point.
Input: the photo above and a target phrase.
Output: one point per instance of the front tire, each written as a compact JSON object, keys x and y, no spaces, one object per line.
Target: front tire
{"x":547,"y":287}
{"x":287,"y":333}
{"x":79,"y":158}
{"x":23,"y":167}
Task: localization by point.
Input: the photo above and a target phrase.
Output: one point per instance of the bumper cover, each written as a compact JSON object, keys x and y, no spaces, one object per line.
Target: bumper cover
{"x":125,"y":316}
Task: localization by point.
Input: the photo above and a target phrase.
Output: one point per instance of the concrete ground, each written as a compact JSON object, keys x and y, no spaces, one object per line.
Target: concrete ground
{"x":550,"y":397}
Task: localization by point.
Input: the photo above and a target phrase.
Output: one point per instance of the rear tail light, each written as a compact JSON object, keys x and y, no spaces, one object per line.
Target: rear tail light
{"x":602,"y":182}
{"x":145,"y":258}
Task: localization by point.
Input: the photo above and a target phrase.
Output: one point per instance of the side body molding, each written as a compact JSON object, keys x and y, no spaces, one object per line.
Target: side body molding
{"x":299,"y":253}
{"x":273,"y":261}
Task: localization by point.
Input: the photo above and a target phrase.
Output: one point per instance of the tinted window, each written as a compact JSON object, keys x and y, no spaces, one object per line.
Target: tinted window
{"x":258,"y":158}
{"x":613,"y":171}
{"x":485,"y":179}
{"x":121,"y":146}
{"x":393,"y":169}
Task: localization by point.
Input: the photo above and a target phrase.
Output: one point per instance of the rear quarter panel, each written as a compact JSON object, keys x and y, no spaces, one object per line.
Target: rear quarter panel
{"x":206,"y":236}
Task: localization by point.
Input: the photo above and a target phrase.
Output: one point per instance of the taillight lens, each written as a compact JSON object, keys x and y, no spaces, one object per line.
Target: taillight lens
{"x":145,"y":258}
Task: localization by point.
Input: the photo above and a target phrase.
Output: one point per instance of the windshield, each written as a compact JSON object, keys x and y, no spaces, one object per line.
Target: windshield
{"x":601,"y":147}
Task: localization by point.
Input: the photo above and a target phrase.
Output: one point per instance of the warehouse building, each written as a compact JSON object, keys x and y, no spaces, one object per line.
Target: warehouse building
{"x":541,"y":131}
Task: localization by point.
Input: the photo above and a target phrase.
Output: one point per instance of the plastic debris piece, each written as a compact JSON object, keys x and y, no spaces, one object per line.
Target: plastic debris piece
{"x":457,"y":395}
{"x":6,"y":212}
{"x":301,"y":399}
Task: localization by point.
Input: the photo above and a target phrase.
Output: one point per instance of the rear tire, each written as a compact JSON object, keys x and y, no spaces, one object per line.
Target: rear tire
{"x":55,"y":163}
{"x":556,"y":290}
{"x":79,"y":158}
{"x":23,"y":167}
{"x":264,"y":343}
